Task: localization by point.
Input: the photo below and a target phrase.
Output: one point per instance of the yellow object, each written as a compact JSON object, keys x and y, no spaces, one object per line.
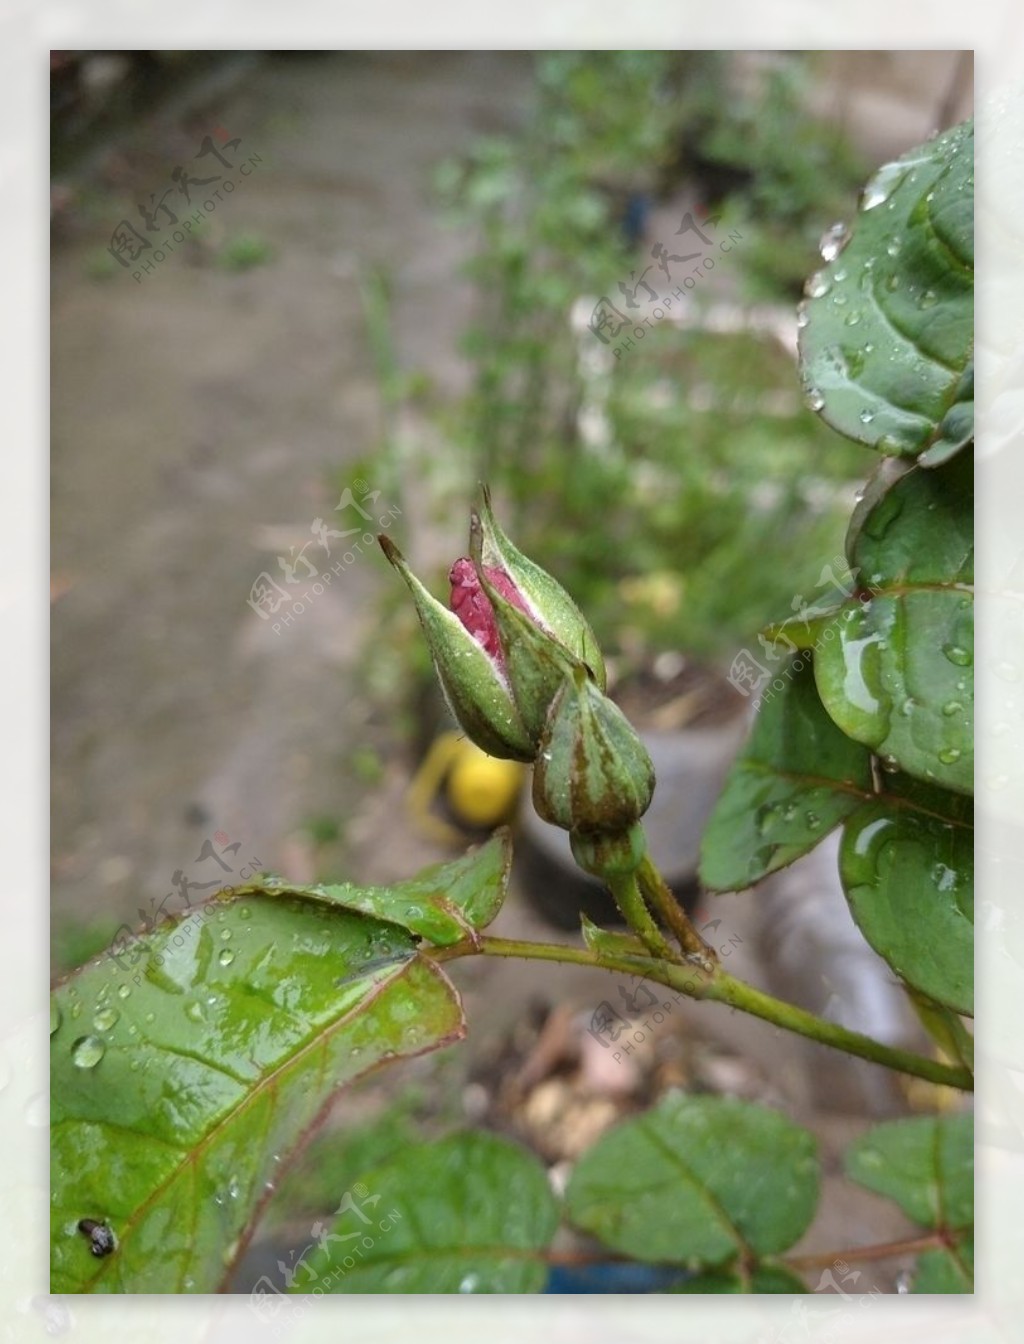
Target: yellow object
{"x":480,"y":789}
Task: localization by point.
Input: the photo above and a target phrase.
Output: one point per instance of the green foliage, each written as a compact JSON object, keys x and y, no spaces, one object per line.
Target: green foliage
{"x":460,"y":1215}
{"x":182,"y":1072}
{"x":796,"y":778}
{"x":926,"y":1166}
{"x":698,"y":1179}
{"x":888,"y":345}
{"x":783,"y":173}
{"x":888,"y":748}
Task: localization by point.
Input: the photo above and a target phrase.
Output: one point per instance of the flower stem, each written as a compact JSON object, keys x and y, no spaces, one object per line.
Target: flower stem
{"x":662,"y":897}
{"x":725,"y":989}
{"x":628,"y":898}
{"x":697,"y":983}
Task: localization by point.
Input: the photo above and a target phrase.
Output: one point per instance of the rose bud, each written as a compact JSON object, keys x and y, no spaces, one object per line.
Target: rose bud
{"x":593,"y":775}
{"x":470,"y":669}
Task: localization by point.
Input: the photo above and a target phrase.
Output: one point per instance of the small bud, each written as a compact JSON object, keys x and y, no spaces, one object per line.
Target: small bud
{"x":592,"y":774}
{"x":473,"y":679}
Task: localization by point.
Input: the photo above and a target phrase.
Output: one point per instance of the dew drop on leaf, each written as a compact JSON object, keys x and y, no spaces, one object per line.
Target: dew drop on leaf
{"x":87,"y":1052}
{"x":958,"y":655}
{"x":833,"y":240}
{"x":818,"y":285}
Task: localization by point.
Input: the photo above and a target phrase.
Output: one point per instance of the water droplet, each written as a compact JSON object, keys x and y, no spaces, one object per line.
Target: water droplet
{"x":928,"y":299}
{"x":226,"y":957}
{"x":105,"y":1019}
{"x":765,"y":817}
{"x":892,"y":282}
{"x":76,"y":1010}
{"x":952,"y":707}
{"x":233,"y":1188}
{"x":150,"y":1017}
{"x":225,"y":934}
{"x":908,"y":707}
{"x":890,"y":764}
{"x":123,"y":991}
{"x":802,"y":316}
{"x":894,"y":248}
{"x":865,"y":418}
{"x":87,"y":1052}
{"x":469,"y":1283}
{"x":818,"y":285}
{"x":54,"y":1016}
{"x":194,"y":1011}
{"x":244,"y":911}
{"x":833,"y":240}
{"x":958,"y":655}
{"x":853,"y":318}
{"x":813,"y":820}
{"x":949,"y":755}
{"x":814,"y":399}
{"x":839,"y":299}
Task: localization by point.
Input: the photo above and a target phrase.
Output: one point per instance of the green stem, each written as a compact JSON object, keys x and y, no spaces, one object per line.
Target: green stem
{"x":662,"y":897}
{"x":696,"y":983}
{"x":628,"y":898}
{"x":725,"y":989}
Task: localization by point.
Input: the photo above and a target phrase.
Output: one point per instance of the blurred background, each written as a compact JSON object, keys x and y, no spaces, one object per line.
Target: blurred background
{"x":299,"y":298}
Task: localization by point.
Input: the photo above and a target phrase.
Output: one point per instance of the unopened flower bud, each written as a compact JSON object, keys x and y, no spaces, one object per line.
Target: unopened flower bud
{"x":472,"y":677}
{"x":592,"y":774}
{"x":540,"y":596}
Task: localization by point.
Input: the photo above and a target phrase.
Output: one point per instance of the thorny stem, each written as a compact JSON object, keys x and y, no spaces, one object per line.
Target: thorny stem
{"x":628,"y":898}
{"x":662,"y":897}
{"x":700,"y":984}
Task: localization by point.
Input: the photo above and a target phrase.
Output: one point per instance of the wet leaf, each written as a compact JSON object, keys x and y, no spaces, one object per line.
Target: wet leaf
{"x":909,"y":881}
{"x":796,"y":778}
{"x":886,"y":351}
{"x":444,"y":903}
{"x":915,"y":527}
{"x":897,"y":676}
{"x":924,"y":1164}
{"x":472,"y":1213}
{"x":185,"y":1070}
{"x":697,"y":1178}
